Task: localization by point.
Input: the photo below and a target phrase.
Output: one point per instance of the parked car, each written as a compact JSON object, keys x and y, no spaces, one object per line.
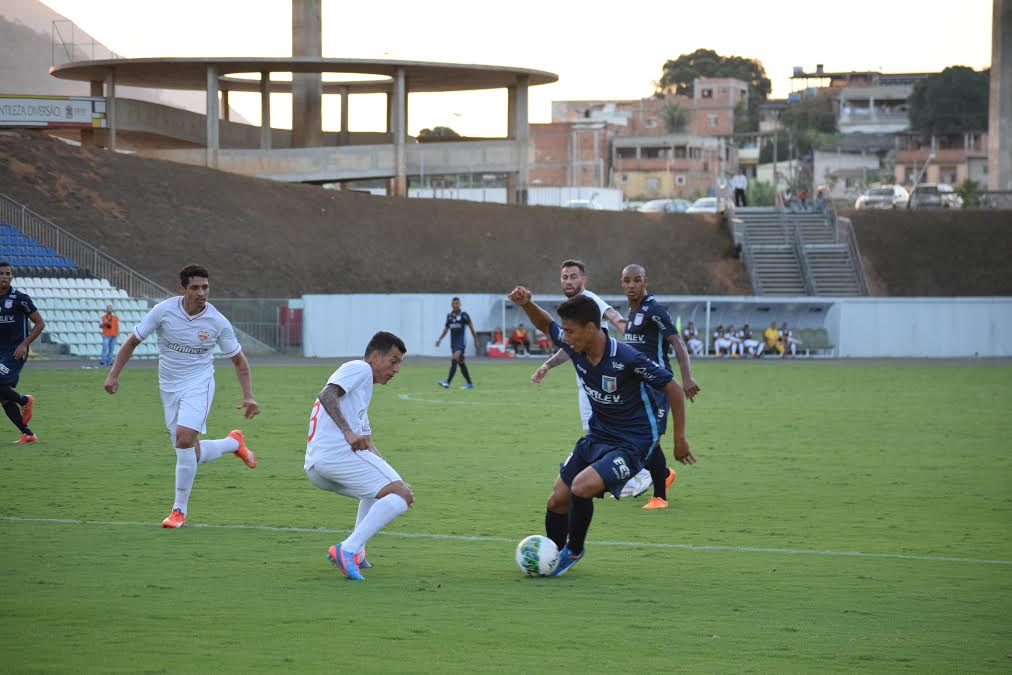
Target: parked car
{"x":582,"y":204}
{"x":665,"y":206}
{"x":934,"y":196}
{"x":885,"y":197}
{"x":711,"y":205}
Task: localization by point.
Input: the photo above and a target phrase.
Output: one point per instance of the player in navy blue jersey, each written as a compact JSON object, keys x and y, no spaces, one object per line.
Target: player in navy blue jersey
{"x":623,"y":427}
{"x":455,"y":322}
{"x":649,"y":330}
{"x":16,"y":310}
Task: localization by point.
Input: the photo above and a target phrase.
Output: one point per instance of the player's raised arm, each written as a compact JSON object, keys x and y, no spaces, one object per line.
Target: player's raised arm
{"x":684,"y":368}
{"x":523,"y":299}
{"x":676,"y":401}
{"x":125,"y":352}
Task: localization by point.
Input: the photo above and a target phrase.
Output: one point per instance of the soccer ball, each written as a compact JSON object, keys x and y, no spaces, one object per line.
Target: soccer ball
{"x":537,"y":556}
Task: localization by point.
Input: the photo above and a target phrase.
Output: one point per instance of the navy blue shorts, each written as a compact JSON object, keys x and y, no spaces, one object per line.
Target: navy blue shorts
{"x":662,"y":406}
{"x":615,"y":463}
{"x":457,"y":347}
{"x":10,"y":368}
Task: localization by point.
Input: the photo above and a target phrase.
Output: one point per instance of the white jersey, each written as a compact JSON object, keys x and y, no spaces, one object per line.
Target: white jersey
{"x":186,"y":343}
{"x":325,"y":438}
{"x":601,"y":304}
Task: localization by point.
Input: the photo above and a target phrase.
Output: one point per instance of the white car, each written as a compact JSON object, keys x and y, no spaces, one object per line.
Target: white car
{"x":709,"y":205}
{"x":885,"y":197}
{"x":665,"y":206}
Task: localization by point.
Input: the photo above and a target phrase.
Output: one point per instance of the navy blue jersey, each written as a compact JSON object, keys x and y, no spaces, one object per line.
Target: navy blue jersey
{"x":14,"y":310}
{"x":456,"y":321}
{"x":619,"y":392}
{"x":647,"y":331}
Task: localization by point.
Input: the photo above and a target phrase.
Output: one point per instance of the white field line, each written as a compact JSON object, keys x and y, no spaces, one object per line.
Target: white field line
{"x":482,"y":538}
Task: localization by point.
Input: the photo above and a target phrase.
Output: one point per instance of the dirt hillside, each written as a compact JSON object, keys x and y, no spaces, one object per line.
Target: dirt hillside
{"x":936,"y":252}
{"x":268,"y":239}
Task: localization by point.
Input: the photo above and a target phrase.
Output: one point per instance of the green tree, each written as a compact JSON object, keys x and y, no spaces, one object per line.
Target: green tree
{"x":438,"y":132}
{"x":678,"y":74}
{"x":953,"y":101}
{"x":969,"y":190}
{"x":676,"y":118}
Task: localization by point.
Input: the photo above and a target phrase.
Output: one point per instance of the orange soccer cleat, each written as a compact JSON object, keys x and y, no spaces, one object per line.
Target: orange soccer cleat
{"x":243,"y":453}
{"x":176,"y":519}
{"x":26,"y":410}
{"x":672,"y":477}
{"x":656,"y":503}
{"x":27,"y":438}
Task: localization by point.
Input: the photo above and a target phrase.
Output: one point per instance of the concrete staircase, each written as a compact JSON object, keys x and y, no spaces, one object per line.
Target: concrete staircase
{"x":803,"y":253}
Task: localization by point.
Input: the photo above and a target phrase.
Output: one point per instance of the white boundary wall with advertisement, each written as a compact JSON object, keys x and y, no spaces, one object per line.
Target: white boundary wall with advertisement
{"x":341,"y":325}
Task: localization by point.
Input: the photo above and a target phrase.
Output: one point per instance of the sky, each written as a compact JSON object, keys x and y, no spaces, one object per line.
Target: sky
{"x":599,"y":50}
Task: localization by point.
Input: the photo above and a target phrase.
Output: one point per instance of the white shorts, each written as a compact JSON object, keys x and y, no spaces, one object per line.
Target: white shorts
{"x":189,"y":407}
{"x":354,"y":474}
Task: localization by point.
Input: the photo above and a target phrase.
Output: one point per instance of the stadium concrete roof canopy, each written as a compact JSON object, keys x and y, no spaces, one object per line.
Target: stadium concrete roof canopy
{"x":191,"y":73}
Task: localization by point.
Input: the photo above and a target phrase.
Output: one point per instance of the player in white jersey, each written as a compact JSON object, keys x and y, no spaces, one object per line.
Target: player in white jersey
{"x":188,"y":328}
{"x":340,"y":454}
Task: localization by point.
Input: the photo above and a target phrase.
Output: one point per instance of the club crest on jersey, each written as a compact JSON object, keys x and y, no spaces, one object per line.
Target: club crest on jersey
{"x":609,"y":384}
{"x":638,"y":319}
{"x":8,"y":303}
{"x":203,"y":335}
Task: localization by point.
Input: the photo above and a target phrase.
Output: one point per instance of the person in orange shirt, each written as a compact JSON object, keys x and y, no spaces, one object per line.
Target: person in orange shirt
{"x":520,"y":337}
{"x":110,"y":332}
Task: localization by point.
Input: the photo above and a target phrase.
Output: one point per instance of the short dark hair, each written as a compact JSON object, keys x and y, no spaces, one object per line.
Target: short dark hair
{"x":191,"y":271}
{"x":455,"y":299}
{"x":383,"y":341}
{"x":575,"y":263}
{"x":581,"y":309}
{"x":4,"y":263}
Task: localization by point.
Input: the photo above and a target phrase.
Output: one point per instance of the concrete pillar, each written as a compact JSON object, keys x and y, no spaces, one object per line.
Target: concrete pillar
{"x":224,"y":105}
{"x":399,"y":124}
{"x":999,"y":131}
{"x":519,"y":132}
{"x":307,"y":88}
{"x":212,"y":117}
{"x":344,"y":137}
{"x":88,"y":134}
{"x":110,"y":109}
{"x":265,"y":111}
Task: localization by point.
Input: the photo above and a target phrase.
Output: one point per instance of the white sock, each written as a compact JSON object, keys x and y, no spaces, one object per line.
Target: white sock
{"x":363,"y":508}
{"x":186,"y":470}
{"x":380,"y":513}
{"x":212,"y":450}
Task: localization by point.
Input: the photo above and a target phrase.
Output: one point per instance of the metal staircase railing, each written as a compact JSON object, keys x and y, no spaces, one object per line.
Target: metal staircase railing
{"x":98,"y":263}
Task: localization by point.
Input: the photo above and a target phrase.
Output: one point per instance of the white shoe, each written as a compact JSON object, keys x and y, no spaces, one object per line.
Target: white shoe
{"x":637,"y":485}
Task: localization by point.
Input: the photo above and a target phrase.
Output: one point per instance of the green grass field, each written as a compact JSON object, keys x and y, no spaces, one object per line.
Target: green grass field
{"x":906,"y":465}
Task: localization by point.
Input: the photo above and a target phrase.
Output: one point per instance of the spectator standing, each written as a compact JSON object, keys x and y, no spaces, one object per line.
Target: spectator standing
{"x":109,"y":324}
{"x":740,"y":185}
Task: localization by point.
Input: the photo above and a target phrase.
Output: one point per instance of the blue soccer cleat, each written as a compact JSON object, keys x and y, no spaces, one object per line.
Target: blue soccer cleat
{"x":345,"y":562}
{"x":469,"y":385}
{"x":566,"y":560}
{"x":444,"y":384}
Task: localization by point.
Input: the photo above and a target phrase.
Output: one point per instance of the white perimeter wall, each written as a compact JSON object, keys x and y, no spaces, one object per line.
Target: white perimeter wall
{"x":922,"y":327}
{"x":341,"y":325}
